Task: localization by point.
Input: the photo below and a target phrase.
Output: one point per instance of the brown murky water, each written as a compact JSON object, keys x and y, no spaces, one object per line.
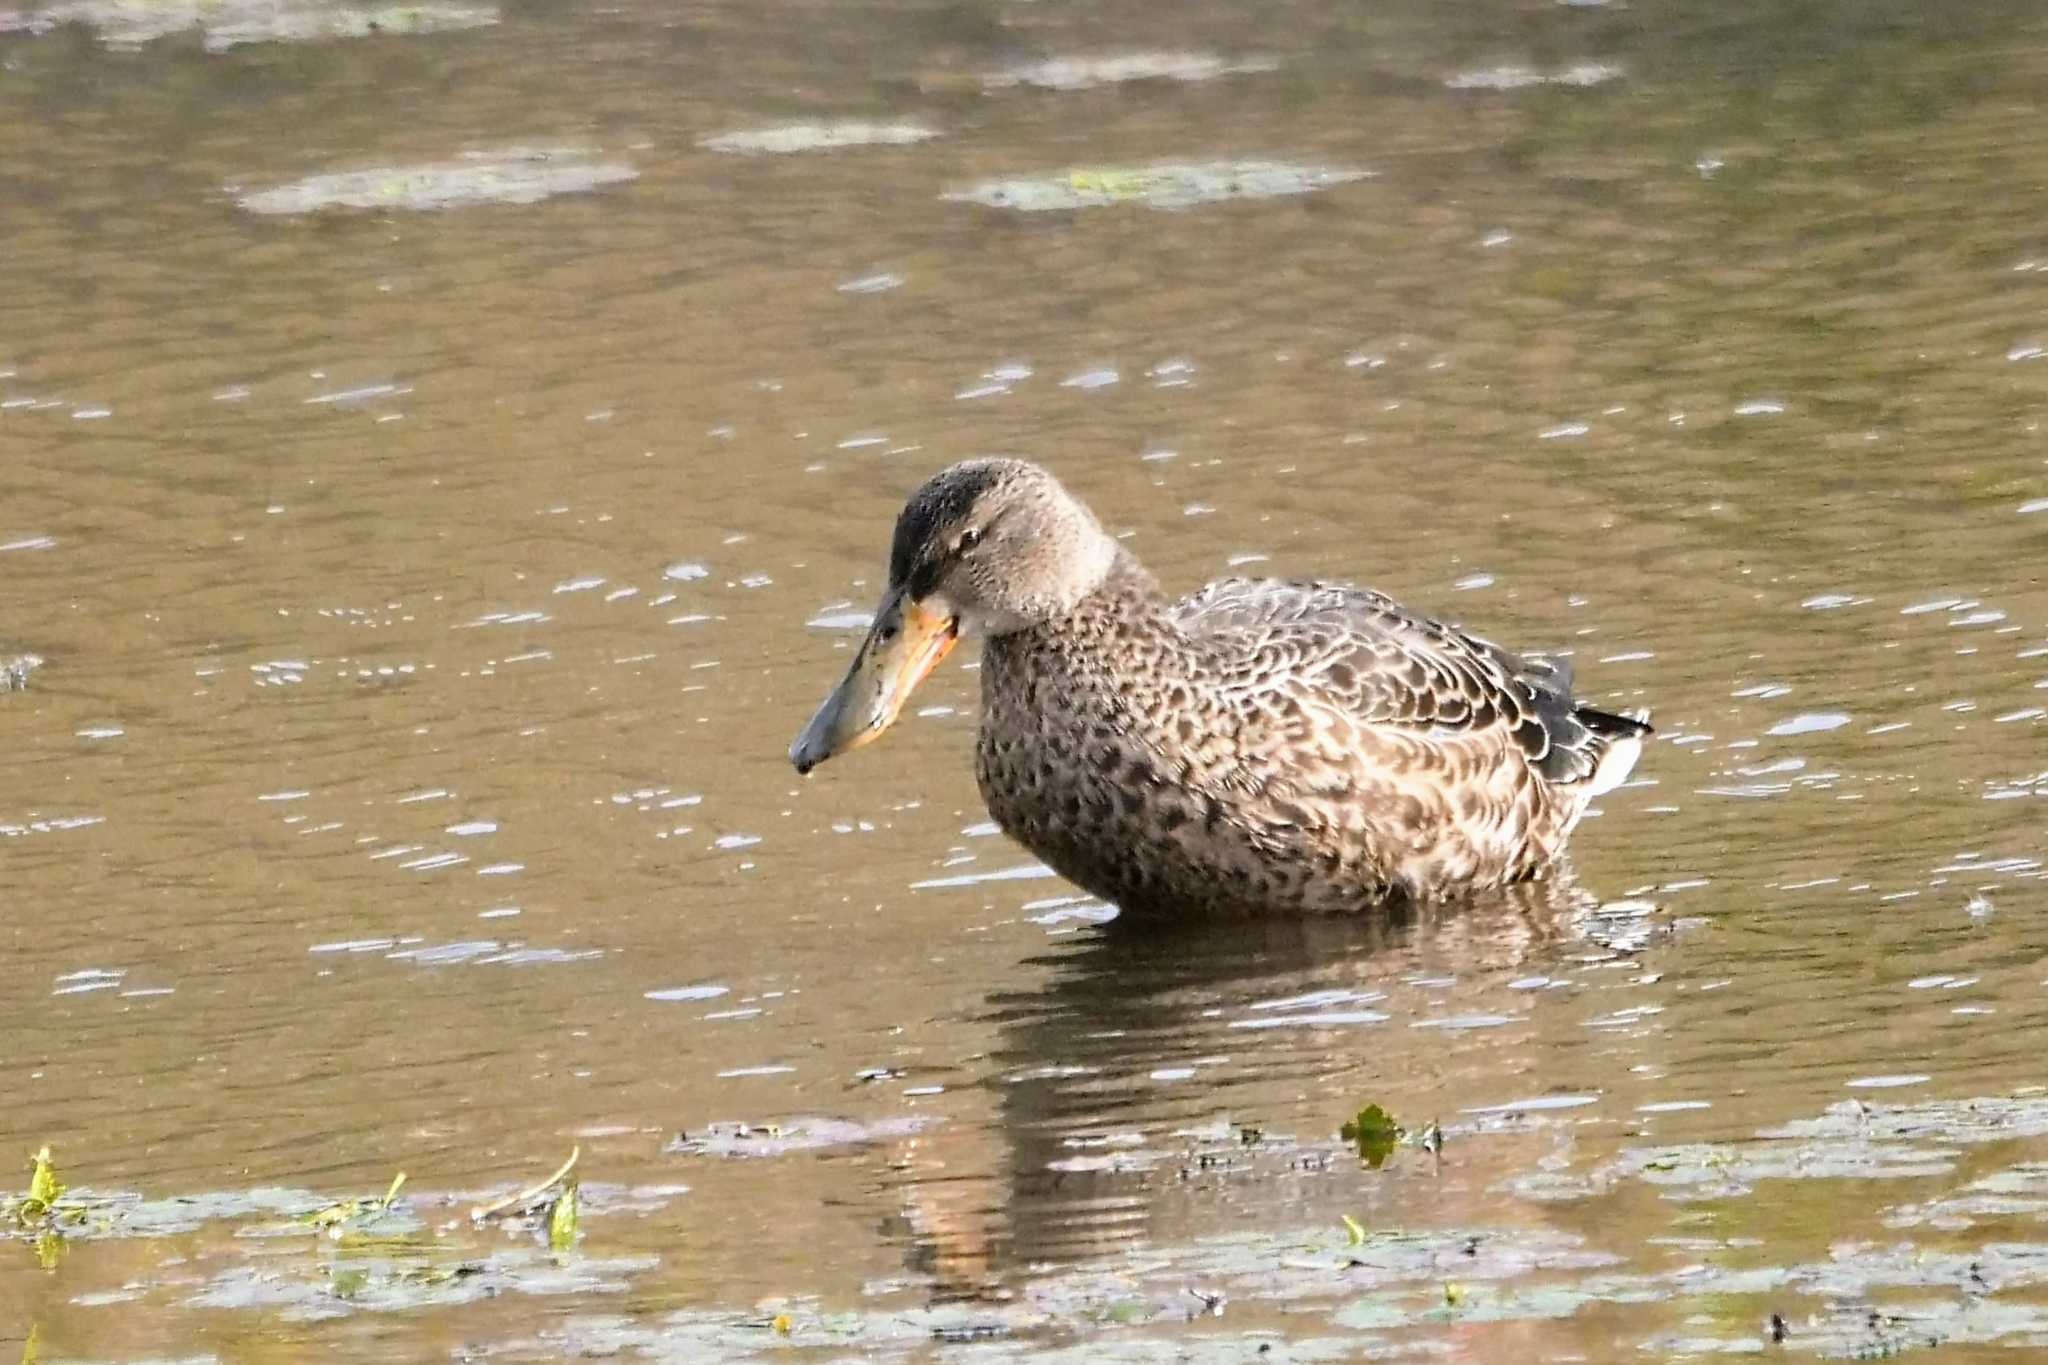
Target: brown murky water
{"x":428,"y":595}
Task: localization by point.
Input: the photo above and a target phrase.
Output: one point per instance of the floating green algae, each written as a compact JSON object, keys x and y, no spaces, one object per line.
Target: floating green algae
{"x":737,"y":1139}
{"x":1166,"y":185}
{"x":350,"y":1280}
{"x":513,"y":176}
{"x":786,"y":138}
{"x":1083,"y":73}
{"x":1851,"y":1140}
{"x":226,"y":24}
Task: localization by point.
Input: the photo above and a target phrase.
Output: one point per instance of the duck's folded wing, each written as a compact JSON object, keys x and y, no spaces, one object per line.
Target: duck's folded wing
{"x":1350,"y":653}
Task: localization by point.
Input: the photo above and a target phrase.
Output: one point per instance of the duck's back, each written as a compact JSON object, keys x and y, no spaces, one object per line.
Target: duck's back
{"x":1284,"y":745}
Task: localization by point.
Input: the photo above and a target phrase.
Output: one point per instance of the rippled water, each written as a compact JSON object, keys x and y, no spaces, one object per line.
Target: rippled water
{"x":448,"y":450}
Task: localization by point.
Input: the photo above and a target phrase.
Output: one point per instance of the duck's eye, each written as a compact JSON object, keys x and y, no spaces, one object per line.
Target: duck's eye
{"x":969,"y":538}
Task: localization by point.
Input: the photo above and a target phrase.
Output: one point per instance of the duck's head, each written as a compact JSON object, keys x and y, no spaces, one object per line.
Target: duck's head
{"x":985,"y":547}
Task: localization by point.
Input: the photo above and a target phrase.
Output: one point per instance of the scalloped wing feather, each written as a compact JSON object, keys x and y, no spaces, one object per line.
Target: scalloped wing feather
{"x":1355,"y":658}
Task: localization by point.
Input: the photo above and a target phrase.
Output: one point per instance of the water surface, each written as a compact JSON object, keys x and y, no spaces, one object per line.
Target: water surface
{"x":449,"y":451}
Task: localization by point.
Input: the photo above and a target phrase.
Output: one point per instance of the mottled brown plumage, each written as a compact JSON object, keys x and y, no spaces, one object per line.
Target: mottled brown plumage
{"x":1260,"y":745}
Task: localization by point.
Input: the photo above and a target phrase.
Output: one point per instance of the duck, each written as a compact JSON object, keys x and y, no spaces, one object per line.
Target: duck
{"x":1263,"y":745}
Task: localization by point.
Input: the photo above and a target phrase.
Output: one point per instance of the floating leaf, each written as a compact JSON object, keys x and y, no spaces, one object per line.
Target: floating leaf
{"x":782,"y":1324}
{"x":1374,"y":1133}
{"x":1354,"y":1235}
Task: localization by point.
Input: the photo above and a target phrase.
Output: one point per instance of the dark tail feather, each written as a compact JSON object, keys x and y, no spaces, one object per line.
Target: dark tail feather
{"x":1580,"y":746}
{"x":1613,"y":743}
{"x":1611,"y":725}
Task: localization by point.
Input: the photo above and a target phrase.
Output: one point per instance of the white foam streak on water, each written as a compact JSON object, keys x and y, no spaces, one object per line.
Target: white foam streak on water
{"x":1809,"y":722}
{"x":1319,"y":1019}
{"x":688,"y":993}
{"x":1021,"y":872}
{"x":1538,"y":1104}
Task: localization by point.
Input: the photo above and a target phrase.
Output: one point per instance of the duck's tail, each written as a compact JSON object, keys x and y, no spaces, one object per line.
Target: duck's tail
{"x":1580,"y":747}
{"x":1613,"y":743}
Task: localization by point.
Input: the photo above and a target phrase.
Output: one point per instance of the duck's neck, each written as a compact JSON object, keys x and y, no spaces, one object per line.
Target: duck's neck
{"x":1127,"y":588}
{"x":1130,"y":576}
{"x":1116,"y":610}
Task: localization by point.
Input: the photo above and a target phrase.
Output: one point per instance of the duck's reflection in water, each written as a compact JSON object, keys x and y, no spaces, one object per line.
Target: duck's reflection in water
{"x":1152,"y":1045}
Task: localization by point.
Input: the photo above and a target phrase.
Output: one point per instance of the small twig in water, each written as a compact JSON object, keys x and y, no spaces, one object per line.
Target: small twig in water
{"x":525,"y":1196}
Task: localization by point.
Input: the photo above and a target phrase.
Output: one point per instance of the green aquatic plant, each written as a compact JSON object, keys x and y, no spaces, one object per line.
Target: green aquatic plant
{"x":44,"y":1189}
{"x":36,"y":1213}
{"x":1374,"y":1133}
{"x":562,"y":1220}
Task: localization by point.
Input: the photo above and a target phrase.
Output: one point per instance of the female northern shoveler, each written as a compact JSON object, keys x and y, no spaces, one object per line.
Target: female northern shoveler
{"x":1263,"y":744}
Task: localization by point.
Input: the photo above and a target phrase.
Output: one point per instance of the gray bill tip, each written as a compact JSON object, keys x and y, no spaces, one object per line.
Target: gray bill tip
{"x":814,"y":744}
